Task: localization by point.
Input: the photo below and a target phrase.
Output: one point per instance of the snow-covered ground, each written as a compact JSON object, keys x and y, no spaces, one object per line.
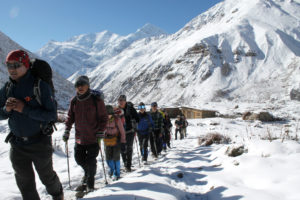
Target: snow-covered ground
{"x":268,"y":170}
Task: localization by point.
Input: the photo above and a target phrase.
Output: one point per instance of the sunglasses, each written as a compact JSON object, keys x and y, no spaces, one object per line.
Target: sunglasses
{"x":141,"y":107}
{"x":14,"y":65}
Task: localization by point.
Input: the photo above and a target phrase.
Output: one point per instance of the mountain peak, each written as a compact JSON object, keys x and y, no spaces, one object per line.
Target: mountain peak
{"x":150,"y":29}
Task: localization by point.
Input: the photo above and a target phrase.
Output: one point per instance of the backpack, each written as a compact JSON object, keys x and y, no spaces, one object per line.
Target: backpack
{"x":112,"y":140}
{"x":41,"y":70}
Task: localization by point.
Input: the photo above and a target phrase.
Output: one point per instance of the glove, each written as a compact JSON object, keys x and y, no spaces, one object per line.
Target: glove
{"x":123,"y":147}
{"x":66,"y":136}
{"x":100,"y":135}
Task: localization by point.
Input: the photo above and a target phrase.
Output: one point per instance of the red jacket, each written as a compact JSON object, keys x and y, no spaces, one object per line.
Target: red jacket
{"x":83,"y":114}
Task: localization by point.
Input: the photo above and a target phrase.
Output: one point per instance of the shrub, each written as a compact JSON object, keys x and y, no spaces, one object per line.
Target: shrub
{"x":213,"y":138}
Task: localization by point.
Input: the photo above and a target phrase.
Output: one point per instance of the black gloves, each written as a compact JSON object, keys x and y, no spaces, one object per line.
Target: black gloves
{"x":123,"y":147}
{"x":66,"y":136}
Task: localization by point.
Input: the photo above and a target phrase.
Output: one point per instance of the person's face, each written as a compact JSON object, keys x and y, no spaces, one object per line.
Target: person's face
{"x":154,"y":108}
{"x":142,"y":110}
{"x":16,"y":70}
{"x":82,"y":89}
{"x":121,"y":103}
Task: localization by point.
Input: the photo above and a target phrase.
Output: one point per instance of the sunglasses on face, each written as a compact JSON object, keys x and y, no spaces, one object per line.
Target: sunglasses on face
{"x":14,"y":65}
{"x":141,"y":107}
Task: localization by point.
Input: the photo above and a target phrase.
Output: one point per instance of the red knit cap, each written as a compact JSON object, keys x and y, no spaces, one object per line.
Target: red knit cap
{"x":19,"y":56}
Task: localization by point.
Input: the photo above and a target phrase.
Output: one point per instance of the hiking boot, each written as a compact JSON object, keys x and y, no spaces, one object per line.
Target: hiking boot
{"x":81,"y":187}
{"x":59,"y":197}
{"x":84,"y":180}
{"x":128,"y":169}
{"x":90,"y":189}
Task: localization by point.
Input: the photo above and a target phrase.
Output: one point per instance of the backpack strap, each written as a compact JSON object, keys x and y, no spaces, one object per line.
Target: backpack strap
{"x":8,"y":86}
{"x":37,"y":90}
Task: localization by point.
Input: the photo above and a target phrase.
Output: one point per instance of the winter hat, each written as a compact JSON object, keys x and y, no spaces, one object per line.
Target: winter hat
{"x":19,"y":56}
{"x":141,"y":104}
{"x":153,"y":104}
{"x":109,"y":110}
{"x":122,"y":97}
{"x":82,"y":80}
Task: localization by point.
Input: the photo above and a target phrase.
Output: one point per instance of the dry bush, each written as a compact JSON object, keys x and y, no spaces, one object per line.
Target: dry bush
{"x":213,"y":138}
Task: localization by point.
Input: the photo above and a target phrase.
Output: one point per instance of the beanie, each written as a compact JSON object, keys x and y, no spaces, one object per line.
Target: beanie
{"x":19,"y":56}
{"x":122,"y":97}
{"x":109,"y":110}
{"x":82,"y":80}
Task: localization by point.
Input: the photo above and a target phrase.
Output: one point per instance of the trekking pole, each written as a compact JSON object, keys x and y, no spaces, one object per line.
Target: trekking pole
{"x":137,"y":148}
{"x":171,"y":136}
{"x":102,"y":162}
{"x":67,"y":152}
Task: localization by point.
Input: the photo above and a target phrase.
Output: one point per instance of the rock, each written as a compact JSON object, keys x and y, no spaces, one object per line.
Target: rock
{"x":180,"y":175}
{"x":295,"y":95}
{"x":235,"y":151}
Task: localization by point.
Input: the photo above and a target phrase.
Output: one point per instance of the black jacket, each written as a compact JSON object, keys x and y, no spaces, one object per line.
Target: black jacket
{"x":34,"y":116}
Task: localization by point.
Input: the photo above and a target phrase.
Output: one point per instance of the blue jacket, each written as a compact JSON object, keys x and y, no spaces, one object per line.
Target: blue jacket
{"x":144,"y":121}
{"x":34,"y":116}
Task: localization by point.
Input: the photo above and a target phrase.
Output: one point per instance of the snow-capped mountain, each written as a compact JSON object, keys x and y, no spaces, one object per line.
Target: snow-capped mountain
{"x":64,"y":89}
{"x":86,"y":51}
{"x":237,"y":50}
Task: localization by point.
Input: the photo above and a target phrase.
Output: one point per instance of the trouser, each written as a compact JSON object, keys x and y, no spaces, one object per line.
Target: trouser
{"x":127,"y":156}
{"x":143,"y":141}
{"x":40,"y":155}
{"x":184,"y":132}
{"x":155,"y":142}
{"x":85,"y":156}
{"x":180,"y":132}
{"x":112,"y":154}
{"x":166,"y":139}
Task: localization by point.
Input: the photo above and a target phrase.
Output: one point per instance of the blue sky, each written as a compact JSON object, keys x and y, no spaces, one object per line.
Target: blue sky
{"x":32,"y":23}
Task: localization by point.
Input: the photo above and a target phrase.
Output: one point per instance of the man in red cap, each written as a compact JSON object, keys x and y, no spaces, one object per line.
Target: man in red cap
{"x":27,"y":119}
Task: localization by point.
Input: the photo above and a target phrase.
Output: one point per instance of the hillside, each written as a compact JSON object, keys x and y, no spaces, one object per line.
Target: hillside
{"x":83,"y":52}
{"x":237,"y":51}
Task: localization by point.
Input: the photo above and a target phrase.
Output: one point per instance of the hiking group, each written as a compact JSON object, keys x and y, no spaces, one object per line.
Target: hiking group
{"x":27,"y":100}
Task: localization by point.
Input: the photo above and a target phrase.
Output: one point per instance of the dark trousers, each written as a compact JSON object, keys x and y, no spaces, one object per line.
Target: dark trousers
{"x":113,"y":152}
{"x":85,"y":156}
{"x":166,"y":138}
{"x":155,"y":142}
{"x":127,"y":156}
{"x":143,"y":141}
{"x":180,"y":132}
{"x":40,"y":155}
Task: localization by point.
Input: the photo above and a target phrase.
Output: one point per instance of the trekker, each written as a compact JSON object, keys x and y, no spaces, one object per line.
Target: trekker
{"x":114,"y":141}
{"x":184,"y":125}
{"x":87,"y":111}
{"x":178,"y":125}
{"x":28,"y":121}
{"x":131,"y":120}
{"x":144,"y":129}
{"x":167,"y":129}
{"x":156,"y":137}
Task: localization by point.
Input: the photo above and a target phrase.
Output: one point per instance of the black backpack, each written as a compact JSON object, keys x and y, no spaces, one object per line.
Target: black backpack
{"x":41,"y":70}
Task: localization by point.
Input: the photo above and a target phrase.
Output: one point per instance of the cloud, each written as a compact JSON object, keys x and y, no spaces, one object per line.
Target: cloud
{"x":14,"y":12}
